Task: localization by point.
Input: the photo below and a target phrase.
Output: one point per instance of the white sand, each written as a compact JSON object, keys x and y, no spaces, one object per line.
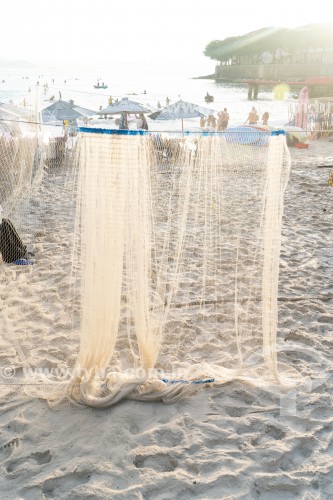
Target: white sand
{"x":233,"y":441}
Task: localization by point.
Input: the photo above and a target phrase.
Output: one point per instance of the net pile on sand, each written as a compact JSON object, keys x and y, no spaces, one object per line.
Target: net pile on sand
{"x":18,"y":161}
{"x":165,"y":266}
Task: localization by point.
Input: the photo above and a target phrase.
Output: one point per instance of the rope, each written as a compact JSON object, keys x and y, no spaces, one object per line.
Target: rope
{"x":205,"y":381}
{"x":142,"y":132}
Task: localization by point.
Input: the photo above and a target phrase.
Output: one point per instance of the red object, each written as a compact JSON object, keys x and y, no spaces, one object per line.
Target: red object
{"x":319,"y":80}
{"x":301,"y":145}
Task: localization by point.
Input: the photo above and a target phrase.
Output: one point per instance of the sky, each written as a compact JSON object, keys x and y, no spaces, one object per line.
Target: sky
{"x":149,"y":33}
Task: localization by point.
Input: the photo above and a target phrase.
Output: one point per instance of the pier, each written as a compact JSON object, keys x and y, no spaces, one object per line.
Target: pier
{"x":317,"y":86}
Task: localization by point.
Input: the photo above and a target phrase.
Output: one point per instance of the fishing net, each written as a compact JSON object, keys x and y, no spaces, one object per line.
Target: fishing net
{"x":155,"y":261}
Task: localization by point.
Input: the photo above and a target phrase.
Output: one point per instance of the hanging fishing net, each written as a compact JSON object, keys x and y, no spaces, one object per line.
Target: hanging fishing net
{"x":153,"y":263}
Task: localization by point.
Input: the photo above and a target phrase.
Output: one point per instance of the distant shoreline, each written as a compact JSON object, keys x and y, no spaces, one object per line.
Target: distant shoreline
{"x":207,"y":77}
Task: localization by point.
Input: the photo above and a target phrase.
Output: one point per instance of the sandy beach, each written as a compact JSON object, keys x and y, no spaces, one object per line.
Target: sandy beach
{"x":228,"y":442}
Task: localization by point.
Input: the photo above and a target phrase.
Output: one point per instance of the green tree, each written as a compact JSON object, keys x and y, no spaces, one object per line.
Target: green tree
{"x":251,"y":45}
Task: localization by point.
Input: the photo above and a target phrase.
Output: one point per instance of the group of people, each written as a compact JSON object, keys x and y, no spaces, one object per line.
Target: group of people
{"x":102,"y":85}
{"x":141,"y":122}
{"x":253,"y":117}
{"x":219,"y":124}
{"x":209,"y":123}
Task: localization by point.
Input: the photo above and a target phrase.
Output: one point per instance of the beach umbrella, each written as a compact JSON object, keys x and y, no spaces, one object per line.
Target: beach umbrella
{"x":8,"y":110}
{"x":123,"y":106}
{"x":181,"y":110}
{"x":246,"y":135}
{"x":62,"y":110}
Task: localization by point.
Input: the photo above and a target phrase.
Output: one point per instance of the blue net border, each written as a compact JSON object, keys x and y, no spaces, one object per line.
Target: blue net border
{"x":147,"y":132}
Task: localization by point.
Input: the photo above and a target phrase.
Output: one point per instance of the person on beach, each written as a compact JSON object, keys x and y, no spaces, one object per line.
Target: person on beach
{"x":144,"y":122}
{"x":202,"y":121}
{"x":211,"y":121}
{"x":264,"y":118}
{"x":141,"y":122}
{"x":253,"y":117}
{"x":110,"y":100}
{"x":167,"y":100}
{"x":123,"y":123}
{"x":222,"y":120}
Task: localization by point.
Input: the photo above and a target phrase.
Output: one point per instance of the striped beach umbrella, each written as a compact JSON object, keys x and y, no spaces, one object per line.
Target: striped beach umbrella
{"x":123,"y":106}
{"x":62,"y":110}
{"x":181,"y":110}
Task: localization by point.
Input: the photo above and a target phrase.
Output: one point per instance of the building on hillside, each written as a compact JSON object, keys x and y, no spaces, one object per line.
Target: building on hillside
{"x":278,"y":55}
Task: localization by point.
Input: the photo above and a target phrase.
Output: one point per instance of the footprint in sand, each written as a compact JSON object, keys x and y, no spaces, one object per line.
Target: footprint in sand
{"x":39,"y":458}
{"x":165,"y":437}
{"x":58,"y":486}
{"x":159,"y":462}
{"x":7,"y":449}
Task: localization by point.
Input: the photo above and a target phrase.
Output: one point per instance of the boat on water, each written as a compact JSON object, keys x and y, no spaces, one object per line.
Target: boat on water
{"x":209,"y":98}
{"x":103,"y":86}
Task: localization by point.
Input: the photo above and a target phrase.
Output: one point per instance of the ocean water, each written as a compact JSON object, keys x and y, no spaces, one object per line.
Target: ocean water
{"x":148,"y":86}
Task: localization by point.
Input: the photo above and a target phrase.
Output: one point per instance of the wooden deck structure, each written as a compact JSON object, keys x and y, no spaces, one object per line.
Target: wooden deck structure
{"x":317,"y":86}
